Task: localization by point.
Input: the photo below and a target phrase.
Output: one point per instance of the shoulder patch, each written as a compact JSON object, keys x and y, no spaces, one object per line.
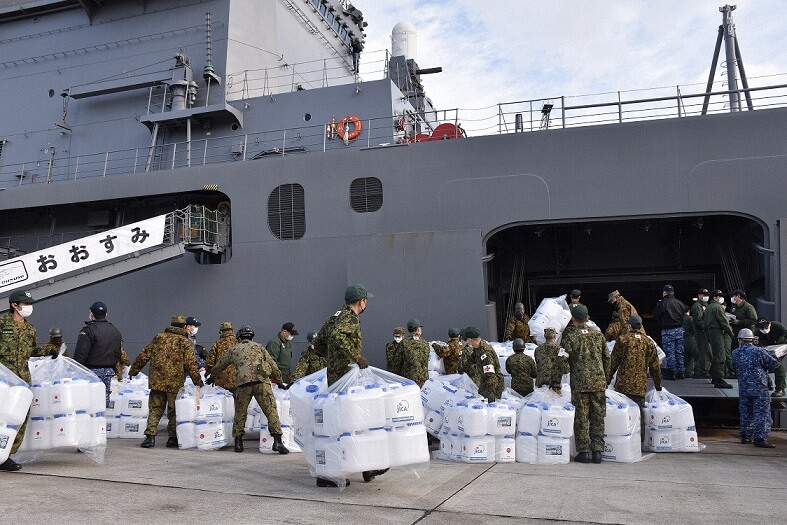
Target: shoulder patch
{"x":585,"y":331}
{"x":338,"y":313}
{"x":637,"y":336}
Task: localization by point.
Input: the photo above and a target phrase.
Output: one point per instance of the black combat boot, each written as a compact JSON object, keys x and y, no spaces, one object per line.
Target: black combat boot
{"x":680,"y":375}
{"x":10,"y":466}
{"x":745,"y":440}
{"x":149,"y":442}
{"x":322,"y":482}
{"x":596,"y":456}
{"x":278,"y":446}
{"x":582,"y":457}
{"x":172,"y":442}
{"x":239,"y":444}
{"x":761,"y":443}
{"x":667,"y":373}
{"x":721,"y":383}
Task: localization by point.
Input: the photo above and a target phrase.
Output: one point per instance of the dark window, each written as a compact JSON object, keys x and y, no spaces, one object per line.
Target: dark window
{"x":329,"y":18}
{"x":366,"y":195}
{"x":287,"y":212}
{"x":321,"y":9}
{"x":2,"y":143}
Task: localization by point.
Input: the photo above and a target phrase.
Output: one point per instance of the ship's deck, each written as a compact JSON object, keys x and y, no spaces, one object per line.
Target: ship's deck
{"x":727,"y":483}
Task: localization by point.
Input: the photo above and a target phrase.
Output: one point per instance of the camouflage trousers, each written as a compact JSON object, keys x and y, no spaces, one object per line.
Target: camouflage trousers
{"x":522,"y":385}
{"x":640,"y":401}
{"x":158,"y":400}
{"x":263,"y":393}
{"x":20,"y":435}
{"x":755,"y":414}
{"x":491,"y":386}
{"x":720,"y":347}
{"x":590,"y":409}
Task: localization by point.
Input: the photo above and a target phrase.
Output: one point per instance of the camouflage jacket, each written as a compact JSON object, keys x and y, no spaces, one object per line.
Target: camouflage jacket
{"x":449,"y":354}
{"x":124,"y":361}
{"x":252,"y":362}
{"x":522,"y":369}
{"x":341,"y":334}
{"x":483,"y":363}
{"x":281,"y":352}
{"x":633,"y":355}
{"x":752,"y":365}
{"x":587,"y":359}
{"x":745,"y":317}
{"x":697,"y":312}
{"x":714,"y":319}
{"x":171,"y":357}
{"x":518,"y":328}
{"x":393,"y":357}
{"x":545,"y":359}
{"x":48,"y":347}
{"x":226,"y":379}
{"x":620,"y":319}
{"x":17,"y":345}
{"x":309,"y":363}
{"x":466,"y":364}
{"x":415,"y":359}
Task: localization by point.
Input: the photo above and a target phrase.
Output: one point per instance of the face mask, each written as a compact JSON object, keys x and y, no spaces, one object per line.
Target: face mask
{"x":194,"y":330}
{"x":704,"y":298}
{"x":398,"y":339}
{"x":290,"y":338}
{"x":765,"y":330}
{"x":721,"y":300}
{"x":25,"y":310}
{"x":90,"y":316}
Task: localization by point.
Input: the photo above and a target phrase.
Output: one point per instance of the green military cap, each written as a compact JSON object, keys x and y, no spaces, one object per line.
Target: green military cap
{"x":575,"y":293}
{"x":399,"y":330}
{"x":471,"y":332}
{"x":635,"y":321}
{"x":21,"y":296}
{"x":178,"y":320}
{"x":579,"y":312}
{"x":310,"y":336}
{"x":413,"y":325}
{"x":519,"y":345}
{"x":356,"y":292}
{"x":550,"y":332}
{"x":519,"y":306}
{"x":454,"y":332}
{"x":226,"y":325}
{"x":613,"y":295}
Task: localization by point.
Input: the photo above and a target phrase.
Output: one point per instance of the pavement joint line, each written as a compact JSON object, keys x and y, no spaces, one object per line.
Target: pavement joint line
{"x":509,"y":516}
{"x":460,"y":489}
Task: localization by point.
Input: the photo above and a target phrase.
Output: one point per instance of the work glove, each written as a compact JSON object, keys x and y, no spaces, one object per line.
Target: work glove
{"x":284,"y":386}
{"x":363,"y":363}
{"x":53,"y":354}
{"x":210,"y":380}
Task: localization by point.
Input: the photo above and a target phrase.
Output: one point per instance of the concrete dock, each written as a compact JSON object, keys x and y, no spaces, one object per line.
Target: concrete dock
{"x":726,"y":483}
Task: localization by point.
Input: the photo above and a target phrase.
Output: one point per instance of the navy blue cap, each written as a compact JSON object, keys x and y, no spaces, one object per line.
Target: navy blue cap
{"x":98,"y":308}
{"x":192,"y":321}
{"x":668,"y":288}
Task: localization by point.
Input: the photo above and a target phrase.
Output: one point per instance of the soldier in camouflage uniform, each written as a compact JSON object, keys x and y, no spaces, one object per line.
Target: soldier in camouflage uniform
{"x":517,"y":327}
{"x":466,"y":359}
{"x":393,"y":352}
{"x":521,"y":368}
{"x":254,"y":368}
{"x":753,"y":363}
{"x":620,"y":317}
{"x":310,"y":361}
{"x":55,"y":342}
{"x":226,"y":342}
{"x":415,"y":354}
{"x":719,"y":333}
{"x":633,"y":355}
{"x":573,"y":298}
{"x":545,"y":357}
{"x":17,"y":345}
{"x":773,"y":333}
{"x":484,"y":365}
{"x":171,"y":356}
{"x":450,"y":353}
{"x":585,"y":352}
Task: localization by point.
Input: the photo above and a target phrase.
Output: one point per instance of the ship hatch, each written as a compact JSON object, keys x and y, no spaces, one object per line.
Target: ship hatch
{"x":635,"y":256}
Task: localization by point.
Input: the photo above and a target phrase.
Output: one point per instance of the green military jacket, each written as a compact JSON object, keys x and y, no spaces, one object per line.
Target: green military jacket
{"x":171,"y":356}
{"x":393,"y":357}
{"x":518,"y":329}
{"x":281,"y":352}
{"x":309,"y":363}
{"x":226,"y":342}
{"x":415,"y":359}
{"x":449,"y":354}
{"x":545,"y":359}
{"x":252,"y":362}
{"x":633,"y":355}
{"x":745,"y":317}
{"x":522,"y":369}
{"x":697,"y":313}
{"x":714,"y":319}
{"x":17,"y":345}
{"x":587,"y":358}
{"x":341,"y":336}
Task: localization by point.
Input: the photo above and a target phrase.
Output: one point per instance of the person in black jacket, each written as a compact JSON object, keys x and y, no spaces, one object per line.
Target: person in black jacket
{"x":98,"y":345}
{"x":669,"y":311}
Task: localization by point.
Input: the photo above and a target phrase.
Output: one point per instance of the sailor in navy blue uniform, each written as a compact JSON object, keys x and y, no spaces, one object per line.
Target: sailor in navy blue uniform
{"x":752,"y":365}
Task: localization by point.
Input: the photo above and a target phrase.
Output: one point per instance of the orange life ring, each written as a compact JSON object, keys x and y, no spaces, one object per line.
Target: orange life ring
{"x":354,"y":126}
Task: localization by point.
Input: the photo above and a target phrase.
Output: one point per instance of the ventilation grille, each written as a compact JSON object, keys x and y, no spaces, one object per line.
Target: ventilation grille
{"x":287,"y":212}
{"x":366,"y":195}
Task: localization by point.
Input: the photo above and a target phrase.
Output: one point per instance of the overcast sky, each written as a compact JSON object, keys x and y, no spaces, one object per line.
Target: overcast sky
{"x":494,"y":51}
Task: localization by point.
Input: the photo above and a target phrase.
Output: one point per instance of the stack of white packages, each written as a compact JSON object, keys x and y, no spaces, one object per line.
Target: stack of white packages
{"x":445,"y":391}
{"x":368,"y":420}
{"x":436,"y":364}
{"x":127,"y":413}
{"x":670,"y":423}
{"x":545,"y":427}
{"x":622,"y":441}
{"x":67,"y":409}
{"x":284,"y":410}
{"x":15,"y":399}
{"x":204,"y":417}
{"x":552,"y":312}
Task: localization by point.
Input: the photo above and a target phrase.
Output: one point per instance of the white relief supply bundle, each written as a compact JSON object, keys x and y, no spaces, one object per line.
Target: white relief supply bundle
{"x":670,"y":423}
{"x":622,"y":438}
{"x":127,"y":411}
{"x":284,"y":410}
{"x":553,"y":312}
{"x":67,"y":410}
{"x":368,"y":420}
{"x":204,"y":417}
{"x":545,"y":426}
{"x":15,"y":399}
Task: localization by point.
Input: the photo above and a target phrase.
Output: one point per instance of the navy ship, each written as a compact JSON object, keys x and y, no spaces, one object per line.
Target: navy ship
{"x":223,"y":159}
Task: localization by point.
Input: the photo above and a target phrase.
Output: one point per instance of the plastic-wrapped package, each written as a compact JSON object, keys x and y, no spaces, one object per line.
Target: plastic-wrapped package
{"x":552,"y":312}
{"x":659,"y":351}
{"x":287,"y":438}
{"x":501,"y":420}
{"x":672,"y":440}
{"x":622,"y":416}
{"x":433,"y":421}
{"x":622,"y":449}
{"x":15,"y":398}
{"x":526,"y":448}
{"x":68,"y":410}
{"x":664,"y":411}
{"x":302,"y":397}
{"x":201,"y":417}
{"x":472,"y":419}
{"x":478,"y":449}
{"x":505,"y":449}
{"x":435,"y":361}
{"x":402,"y":403}
{"x":553,"y":450}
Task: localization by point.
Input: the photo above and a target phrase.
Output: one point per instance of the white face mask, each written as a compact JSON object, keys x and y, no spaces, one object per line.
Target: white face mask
{"x":704,"y":298}
{"x":721,"y":300}
{"x":290,"y":338}
{"x":398,"y":339}
{"x":765,"y":330}
{"x":194,"y":330}
{"x":25,"y":310}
